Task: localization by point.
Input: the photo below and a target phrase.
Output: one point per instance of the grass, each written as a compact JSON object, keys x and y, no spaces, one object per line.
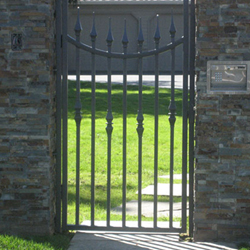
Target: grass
{"x":55,"y":242}
{"x":117,"y":148}
{"x":243,"y":246}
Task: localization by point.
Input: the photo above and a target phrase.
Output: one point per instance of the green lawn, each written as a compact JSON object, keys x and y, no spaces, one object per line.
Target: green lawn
{"x":245,"y":248}
{"x":55,"y":242}
{"x":132,"y":145}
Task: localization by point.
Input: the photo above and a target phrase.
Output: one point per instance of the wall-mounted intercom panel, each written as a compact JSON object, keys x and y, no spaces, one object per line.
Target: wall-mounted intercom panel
{"x":228,"y":77}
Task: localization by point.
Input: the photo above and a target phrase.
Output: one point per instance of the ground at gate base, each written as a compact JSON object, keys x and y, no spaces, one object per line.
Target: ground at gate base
{"x":139,"y":241}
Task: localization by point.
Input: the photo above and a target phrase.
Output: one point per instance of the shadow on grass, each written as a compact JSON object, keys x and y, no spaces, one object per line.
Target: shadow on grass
{"x":100,"y":195}
{"x":243,"y":246}
{"x":116,"y":196}
{"x":57,"y":241}
{"x":117,"y":97}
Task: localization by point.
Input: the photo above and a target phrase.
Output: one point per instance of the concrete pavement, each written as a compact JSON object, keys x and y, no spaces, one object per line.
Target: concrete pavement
{"x":148,"y":80}
{"x":139,"y":241}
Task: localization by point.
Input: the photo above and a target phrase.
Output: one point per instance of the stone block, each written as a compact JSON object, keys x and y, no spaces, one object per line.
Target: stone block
{"x":25,"y":113}
{"x":205,"y":235}
{"x":222,"y":124}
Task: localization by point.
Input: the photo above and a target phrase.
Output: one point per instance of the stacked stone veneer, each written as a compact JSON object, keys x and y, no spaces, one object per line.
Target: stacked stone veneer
{"x":222,"y":174}
{"x":27,"y":122}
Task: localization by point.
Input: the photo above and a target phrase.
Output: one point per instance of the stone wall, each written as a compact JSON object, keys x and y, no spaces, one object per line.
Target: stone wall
{"x":222,"y":174}
{"x":27,"y":116}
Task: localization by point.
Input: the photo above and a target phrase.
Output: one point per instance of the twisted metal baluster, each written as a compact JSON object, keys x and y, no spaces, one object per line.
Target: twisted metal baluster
{"x":78,"y":117}
{"x":93,"y":36}
{"x":140,"y":128}
{"x":125,"y":45}
{"x":157,"y":40}
{"x":172,"y":119}
{"x":109,"y":123}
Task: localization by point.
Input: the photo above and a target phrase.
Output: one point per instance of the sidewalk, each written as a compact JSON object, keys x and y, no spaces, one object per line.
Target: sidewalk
{"x":148,"y":80}
{"x":139,"y":241}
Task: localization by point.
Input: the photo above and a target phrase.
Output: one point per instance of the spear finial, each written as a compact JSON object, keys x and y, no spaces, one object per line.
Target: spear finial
{"x":78,"y":26}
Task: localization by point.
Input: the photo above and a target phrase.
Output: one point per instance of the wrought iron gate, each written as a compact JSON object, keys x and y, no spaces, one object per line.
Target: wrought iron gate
{"x":63,"y":39}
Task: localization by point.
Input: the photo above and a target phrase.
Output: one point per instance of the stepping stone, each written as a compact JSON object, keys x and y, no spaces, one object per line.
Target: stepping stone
{"x":133,"y":224}
{"x":164,"y":189}
{"x":176,"y":177}
{"x":148,"y":209}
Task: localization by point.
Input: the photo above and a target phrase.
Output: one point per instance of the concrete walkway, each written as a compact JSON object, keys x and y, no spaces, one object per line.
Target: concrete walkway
{"x":148,"y":80}
{"x":176,"y":176}
{"x":164,"y":190}
{"x":139,"y":241}
{"x":133,"y":224}
{"x":148,"y":209}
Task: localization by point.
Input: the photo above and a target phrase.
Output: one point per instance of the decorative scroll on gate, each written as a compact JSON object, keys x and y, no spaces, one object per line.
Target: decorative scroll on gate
{"x":62,"y":91}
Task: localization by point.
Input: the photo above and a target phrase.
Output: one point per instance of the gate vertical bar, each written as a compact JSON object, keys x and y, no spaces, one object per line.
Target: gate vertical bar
{"x":58,"y":111}
{"x":191,"y":117}
{"x":65,"y":112}
{"x":172,"y":119}
{"x":185,"y":113}
{"x":109,"y":128}
{"x":78,"y":117}
{"x":157,"y":40}
{"x":124,"y":187}
{"x":140,"y":128}
{"x":93,"y":36}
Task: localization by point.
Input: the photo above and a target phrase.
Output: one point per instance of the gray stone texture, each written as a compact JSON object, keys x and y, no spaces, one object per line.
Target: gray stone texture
{"x":27,"y":117}
{"x":222,"y":183}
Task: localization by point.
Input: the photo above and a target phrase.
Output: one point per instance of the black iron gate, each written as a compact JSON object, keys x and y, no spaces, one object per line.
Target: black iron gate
{"x":63,"y":39}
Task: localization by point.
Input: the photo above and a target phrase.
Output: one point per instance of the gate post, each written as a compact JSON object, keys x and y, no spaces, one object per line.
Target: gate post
{"x":27,"y":117}
{"x":222,"y":187}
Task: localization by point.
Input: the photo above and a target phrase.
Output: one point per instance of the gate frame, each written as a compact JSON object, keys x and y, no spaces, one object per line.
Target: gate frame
{"x":61,"y":110}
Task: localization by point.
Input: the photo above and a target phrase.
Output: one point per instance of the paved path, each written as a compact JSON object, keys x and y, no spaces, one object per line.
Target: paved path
{"x":133,"y":224}
{"x":148,"y":80}
{"x":176,"y":176}
{"x":148,"y":209}
{"x":164,"y":189}
{"x":139,"y":241}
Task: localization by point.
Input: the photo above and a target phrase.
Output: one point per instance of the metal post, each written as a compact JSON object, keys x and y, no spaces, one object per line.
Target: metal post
{"x":93,"y":36}
{"x":124,"y":186}
{"x":140,"y":128}
{"x":157,"y":40}
{"x":58,"y":112}
{"x":185,"y":114}
{"x":191,"y":118}
{"x":109,"y":128}
{"x":172,"y":119}
{"x":78,"y":117}
{"x":65,"y":112}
